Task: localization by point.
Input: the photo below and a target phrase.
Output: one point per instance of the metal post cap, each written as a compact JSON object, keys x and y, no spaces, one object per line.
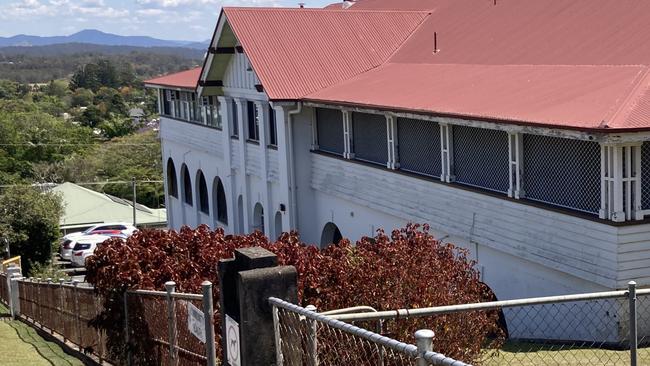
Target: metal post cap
{"x":206,"y":283}
{"x":424,"y":334}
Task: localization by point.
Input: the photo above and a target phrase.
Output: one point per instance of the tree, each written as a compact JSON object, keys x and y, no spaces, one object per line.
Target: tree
{"x":91,"y":117}
{"x":117,"y":126}
{"x":138,"y":156}
{"x":30,"y":222}
{"x":57,"y":88}
{"x":33,"y":137}
{"x":82,"y":97}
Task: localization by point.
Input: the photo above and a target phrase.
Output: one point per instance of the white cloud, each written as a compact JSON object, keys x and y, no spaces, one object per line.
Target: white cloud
{"x":203,"y":3}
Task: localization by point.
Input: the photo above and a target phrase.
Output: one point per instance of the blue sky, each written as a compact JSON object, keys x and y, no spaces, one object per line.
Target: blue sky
{"x":191,"y":20}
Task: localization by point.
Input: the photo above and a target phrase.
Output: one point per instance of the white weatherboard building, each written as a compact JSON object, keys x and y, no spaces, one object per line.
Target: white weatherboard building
{"x":531,"y":148}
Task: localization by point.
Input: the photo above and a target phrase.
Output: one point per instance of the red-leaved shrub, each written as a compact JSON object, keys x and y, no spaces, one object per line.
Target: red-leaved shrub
{"x":407,"y":269}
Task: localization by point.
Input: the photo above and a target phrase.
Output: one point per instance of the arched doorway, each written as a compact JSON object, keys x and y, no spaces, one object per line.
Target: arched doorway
{"x":278,"y":224}
{"x":331,"y":235}
{"x":219,"y":204}
{"x":203,"y":200}
{"x":258,"y":217}
{"x":172,"y":182}
{"x":186,"y":185}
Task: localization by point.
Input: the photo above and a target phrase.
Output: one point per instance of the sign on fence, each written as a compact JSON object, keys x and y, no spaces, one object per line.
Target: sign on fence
{"x":196,"y":322}
{"x":232,"y":340}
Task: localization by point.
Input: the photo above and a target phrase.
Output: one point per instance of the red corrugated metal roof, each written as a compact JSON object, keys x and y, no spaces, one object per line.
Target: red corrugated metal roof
{"x":298,"y":51}
{"x":566,"y":63}
{"x":184,"y":79}
{"x":583,"y":97}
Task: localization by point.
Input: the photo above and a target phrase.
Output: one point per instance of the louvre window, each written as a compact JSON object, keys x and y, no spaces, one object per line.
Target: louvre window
{"x":419,"y":146}
{"x":562,"y":172}
{"x":481,"y":158}
{"x":369,"y":135}
{"x":329,"y":127}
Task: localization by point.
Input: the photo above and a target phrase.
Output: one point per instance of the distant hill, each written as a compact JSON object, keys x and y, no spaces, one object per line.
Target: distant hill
{"x":7,"y":53}
{"x":92,"y":36}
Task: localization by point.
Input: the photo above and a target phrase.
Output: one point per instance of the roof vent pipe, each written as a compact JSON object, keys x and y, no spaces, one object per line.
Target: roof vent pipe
{"x":435,"y":42}
{"x":301,"y":5}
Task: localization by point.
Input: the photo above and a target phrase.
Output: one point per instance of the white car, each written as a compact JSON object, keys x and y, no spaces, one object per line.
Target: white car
{"x":85,"y":247}
{"x":68,"y":242}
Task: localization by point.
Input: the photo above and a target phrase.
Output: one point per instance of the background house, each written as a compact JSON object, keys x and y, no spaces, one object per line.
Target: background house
{"x":84,"y":207}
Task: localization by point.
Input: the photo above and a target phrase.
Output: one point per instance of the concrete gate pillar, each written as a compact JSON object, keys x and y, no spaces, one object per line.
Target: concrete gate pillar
{"x":246,"y":283}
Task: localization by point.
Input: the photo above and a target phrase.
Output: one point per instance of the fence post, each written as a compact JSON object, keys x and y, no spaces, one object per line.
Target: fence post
{"x":208,"y":317}
{"x":170,"y":287}
{"x":313,"y":340}
{"x":37,"y":302}
{"x":100,"y":346}
{"x":62,"y":314}
{"x":77,"y":318}
{"x":279,"y":357}
{"x":126,"y":328}
{"x":48,"y":291}
{"x":424,"y":342}
{"x":14,"y":295}
{"x":631,"y":286}
{"x":380,"y":331}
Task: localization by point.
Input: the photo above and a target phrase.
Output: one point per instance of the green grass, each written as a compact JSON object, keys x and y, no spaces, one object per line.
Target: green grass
{"x":21,"y":345}
{"x":530,"y":354}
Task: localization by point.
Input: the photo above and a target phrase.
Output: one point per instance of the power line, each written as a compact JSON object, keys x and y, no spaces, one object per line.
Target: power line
{"x":82,"y":183}
{"x":75,"y":144}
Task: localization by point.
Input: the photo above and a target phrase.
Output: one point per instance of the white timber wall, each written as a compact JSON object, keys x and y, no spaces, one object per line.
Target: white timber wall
{"x":522,"y":250}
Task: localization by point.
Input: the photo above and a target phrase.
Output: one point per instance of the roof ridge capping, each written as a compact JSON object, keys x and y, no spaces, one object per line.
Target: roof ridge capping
{"x":323,"y":10}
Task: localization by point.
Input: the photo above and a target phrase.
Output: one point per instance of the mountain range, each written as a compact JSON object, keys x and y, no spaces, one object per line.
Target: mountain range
{"x":93,"y":36}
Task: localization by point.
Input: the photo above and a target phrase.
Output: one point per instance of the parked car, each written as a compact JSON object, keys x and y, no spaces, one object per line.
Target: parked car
{"x":68,"y":244}
{"x":85,"y":247}
{"x":124,"y":227}
{"x":110,"y":228}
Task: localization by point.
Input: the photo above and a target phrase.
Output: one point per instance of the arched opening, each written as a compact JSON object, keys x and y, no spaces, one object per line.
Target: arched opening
{"x":258,"y":217}
{"x":278,"y":224}
{"x":240,"y":214}
{"x":219,"y":202}
{"x":331,"y":235}
{"x":186,"y":185}
{"x":172,"y":183}
{"x":202,"y":193}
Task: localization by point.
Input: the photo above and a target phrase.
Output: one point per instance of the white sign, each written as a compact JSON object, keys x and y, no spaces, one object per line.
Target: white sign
{"x":196,"y":322}
{"x":232,"y":340}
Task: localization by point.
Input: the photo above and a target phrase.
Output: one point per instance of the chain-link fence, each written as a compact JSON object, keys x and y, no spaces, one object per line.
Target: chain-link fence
{"x":304,"y":337}
{"x":136,"y":327}
{"x":585,"y":329}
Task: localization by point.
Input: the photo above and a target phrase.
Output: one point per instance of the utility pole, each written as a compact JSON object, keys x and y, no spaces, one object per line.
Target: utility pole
{"x":134,"y":197}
